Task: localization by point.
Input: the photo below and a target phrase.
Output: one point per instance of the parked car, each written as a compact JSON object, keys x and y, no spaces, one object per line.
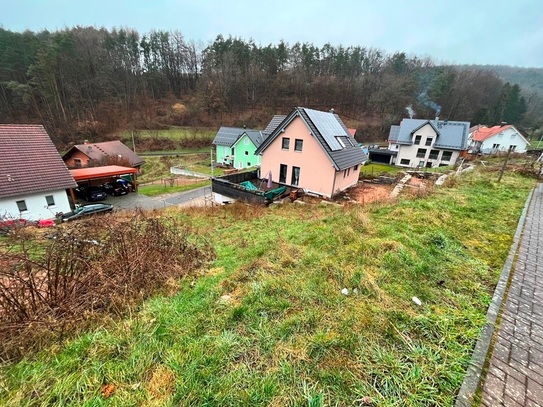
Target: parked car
{"x":116,"y":188}
{"x":91,"y":193}
{"x":86,"y":210}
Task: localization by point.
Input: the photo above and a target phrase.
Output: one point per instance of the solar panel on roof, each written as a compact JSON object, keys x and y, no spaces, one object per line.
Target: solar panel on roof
{"x":328,"y":126}
{"x":227,"y":135}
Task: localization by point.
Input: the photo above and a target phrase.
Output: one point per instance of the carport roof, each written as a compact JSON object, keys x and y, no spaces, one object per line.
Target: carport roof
{"x":81,"y":174}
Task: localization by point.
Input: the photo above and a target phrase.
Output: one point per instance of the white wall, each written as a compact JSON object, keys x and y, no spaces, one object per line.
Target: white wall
{"x":505,"y":139}
{"x":36,"y":205}
{"x":406,"y":152}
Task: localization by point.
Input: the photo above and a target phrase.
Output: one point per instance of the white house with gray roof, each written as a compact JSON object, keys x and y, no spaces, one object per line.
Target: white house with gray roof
{"x":427,"y":143}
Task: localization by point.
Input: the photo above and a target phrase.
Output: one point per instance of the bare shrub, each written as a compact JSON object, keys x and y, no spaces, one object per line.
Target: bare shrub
{"x":87,"y":269}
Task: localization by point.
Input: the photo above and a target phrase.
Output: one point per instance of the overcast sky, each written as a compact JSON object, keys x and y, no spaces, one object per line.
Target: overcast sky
{"x":505,"y":32}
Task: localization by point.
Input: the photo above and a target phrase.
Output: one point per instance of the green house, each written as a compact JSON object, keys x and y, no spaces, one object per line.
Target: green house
{"x":236,"y":146}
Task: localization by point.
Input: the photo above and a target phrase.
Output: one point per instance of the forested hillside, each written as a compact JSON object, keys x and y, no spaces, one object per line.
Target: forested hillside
{"x":87,"y":82}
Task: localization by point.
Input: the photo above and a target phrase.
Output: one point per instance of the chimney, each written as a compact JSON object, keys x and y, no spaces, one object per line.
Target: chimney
{"x":503,"y":124}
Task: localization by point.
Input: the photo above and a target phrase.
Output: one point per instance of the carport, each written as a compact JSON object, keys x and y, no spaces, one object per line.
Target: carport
{"x":103,"y":173}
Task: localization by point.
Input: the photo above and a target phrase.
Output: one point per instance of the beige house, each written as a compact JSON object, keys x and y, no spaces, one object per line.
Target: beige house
{"x":313,"y":150}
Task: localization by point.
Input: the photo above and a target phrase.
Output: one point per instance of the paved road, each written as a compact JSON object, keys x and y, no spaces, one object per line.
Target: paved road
{"x":515,"y":372}
{"x":134,"y":200}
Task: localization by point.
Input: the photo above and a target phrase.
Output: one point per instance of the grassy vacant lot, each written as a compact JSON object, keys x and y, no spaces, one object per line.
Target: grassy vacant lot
{"x":173,"y":133}
{"x":158,"y":168}
{"x":267,"y":324}
{"x":161,"y":189}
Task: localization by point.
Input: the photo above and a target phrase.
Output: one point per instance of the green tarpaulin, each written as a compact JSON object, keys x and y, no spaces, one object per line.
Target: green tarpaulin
{"x":274,"y":193}
{"x":249,"y":186}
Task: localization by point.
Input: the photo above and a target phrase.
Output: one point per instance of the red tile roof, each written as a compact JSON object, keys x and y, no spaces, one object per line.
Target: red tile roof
{"x":99,"y":151}
{"x":483,"y":133}
{"x":29,"y":162}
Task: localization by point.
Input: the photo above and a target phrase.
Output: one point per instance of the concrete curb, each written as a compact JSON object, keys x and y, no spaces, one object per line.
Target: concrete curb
{"x":478,"y":357}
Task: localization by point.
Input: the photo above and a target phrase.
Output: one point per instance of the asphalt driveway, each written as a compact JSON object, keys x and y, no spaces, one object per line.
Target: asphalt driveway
{"x":134,"y":200}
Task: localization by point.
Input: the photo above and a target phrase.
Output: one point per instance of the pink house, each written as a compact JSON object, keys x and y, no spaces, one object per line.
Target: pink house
{"x":312,"y":150}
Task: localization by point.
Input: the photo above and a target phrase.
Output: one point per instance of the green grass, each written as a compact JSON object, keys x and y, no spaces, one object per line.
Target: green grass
{"x":377,"y":168}
{"x":174,"y":133}
{"x":267,"y":324}
{"x":161,"y":189}
{"x":158,"y":168}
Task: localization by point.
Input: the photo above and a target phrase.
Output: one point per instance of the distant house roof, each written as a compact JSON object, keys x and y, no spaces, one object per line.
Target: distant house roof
{"x":227,"y":136}
{"x":99,"y":151}
{"x":450,"y":134}
{"x":274,"y":122}
{"x":482,"y":133}
{"x":329,"y":131}
{"x":352,"y":132}
{"x":29,"y":162}
{"x":256,"y":137}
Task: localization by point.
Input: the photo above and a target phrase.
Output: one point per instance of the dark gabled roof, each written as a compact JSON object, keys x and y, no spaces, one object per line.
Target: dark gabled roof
{"x":329,"y":131}
{"x":99,"y":151}
{"x":257,"y":137}
{"x":29,"y":162}
{"x":274,"y":122}
{"x":227,"y":136}
{"x":450,"y":134}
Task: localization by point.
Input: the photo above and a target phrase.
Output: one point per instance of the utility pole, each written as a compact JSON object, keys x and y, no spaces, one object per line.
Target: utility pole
{"x":211,"y":156}
{"x":505,"y":163}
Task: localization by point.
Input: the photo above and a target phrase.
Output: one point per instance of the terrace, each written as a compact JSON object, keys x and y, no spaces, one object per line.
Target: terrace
{"x":248,"y":187}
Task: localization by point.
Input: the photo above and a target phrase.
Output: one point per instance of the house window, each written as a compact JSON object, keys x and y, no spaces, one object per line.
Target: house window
{"x":295,"y":176}
{"x":404,"y":161}
{"x":513,"y":148}
{"x":500,"y":135}
{"x":495,"y":146}
{"x":50,"y":200}
{"x":446,"y":156}
{"x":433,"y":154}
{"x":356,"y":167}
{"x":246,"y":153}
{"x":232,"y":151}
{"x":286,"y":143}
{"x":248,"y":164}
{"x":22,"y":206}
{"x":283,"y":173}
{"x":417,"y":139}
{"x":246,"y":141}
{"x":340,"y":141}
{"x":346,"y":172}
{"x":421,"y":153}
{"x":513,"y":136}
{"x":429,"y":141}
{"x":298,"y":144}
{"x":77,"y":162}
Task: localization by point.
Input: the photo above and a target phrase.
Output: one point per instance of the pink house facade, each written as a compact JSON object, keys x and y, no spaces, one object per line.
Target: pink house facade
{"x":312,"y":150}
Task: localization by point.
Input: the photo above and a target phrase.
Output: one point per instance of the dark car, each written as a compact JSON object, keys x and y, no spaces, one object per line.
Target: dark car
{"x":86,"y":210}
{"x":91,"y":194}
{"x":115,"y":188}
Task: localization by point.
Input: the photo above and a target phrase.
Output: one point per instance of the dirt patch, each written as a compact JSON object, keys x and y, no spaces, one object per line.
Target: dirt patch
{"x":368,"y":193}
{"x":417,"y":182}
